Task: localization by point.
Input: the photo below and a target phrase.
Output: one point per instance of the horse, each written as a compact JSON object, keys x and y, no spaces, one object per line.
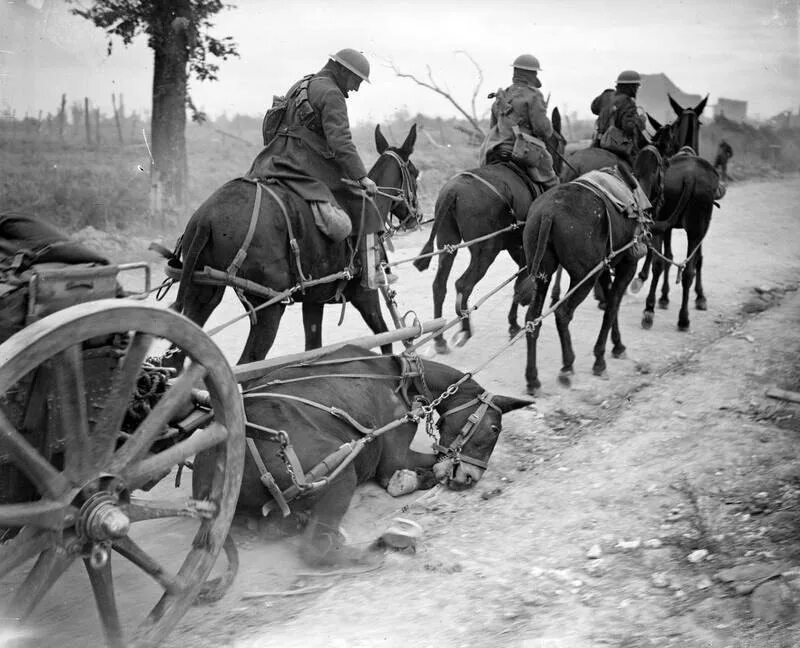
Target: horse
{"x":570,"y":226}
{"x":337,"y":403}
{"x":284,"y":248}
{"x":473,"y":204}
{"x":691,"y":186}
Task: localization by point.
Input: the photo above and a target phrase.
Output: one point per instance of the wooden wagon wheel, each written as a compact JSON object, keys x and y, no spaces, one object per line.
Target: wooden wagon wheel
{"x":85,"y":504}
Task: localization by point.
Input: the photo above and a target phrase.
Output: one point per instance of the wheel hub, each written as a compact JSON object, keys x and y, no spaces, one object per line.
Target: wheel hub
{"x":101,"y":519}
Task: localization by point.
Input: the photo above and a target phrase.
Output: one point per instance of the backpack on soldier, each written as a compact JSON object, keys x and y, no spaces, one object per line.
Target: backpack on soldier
{"x":274,"y":116}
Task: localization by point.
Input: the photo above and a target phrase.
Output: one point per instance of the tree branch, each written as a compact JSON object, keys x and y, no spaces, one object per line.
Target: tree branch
{"x":478,"y":84}
{"x":432,"y":85}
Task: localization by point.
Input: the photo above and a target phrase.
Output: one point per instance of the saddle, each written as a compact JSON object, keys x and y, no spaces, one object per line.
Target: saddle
{"x":610,"y":185}
{"x":534,"y":188}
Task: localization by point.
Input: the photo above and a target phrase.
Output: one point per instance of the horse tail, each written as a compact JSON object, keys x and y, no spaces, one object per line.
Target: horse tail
{"x":444,"y":207}
{"x":673,"y":220}
{"x":202,"y":232}
{"x":544,"y":223}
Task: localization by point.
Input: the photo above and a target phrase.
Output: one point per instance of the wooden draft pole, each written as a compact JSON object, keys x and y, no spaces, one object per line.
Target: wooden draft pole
{"x":250,"y":370}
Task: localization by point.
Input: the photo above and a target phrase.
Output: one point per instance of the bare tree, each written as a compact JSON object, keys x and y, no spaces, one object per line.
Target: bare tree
{"x":432,"y":84}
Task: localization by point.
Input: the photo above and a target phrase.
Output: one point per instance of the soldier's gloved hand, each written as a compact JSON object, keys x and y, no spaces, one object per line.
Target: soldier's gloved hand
{"x":368,"y":186}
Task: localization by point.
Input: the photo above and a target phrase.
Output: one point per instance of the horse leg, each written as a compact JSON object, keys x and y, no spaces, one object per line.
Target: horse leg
{"x":700,"y":303}
{"x":555,"y":294}
{"x":602,"y":287}
{"x":644,"y":273}
{"x":564,"y":314}
{"x":198,"y":305}
{"x":368,"y":304}
{"x":479,"y":263}
{"x":312,"y":324}
{"x":439,"y":293}
{"x":663,"y":301}
{"x":658,"y":268}
{"x":518,"y":255}
{"x":686,"y":281}
{"x":623,"y":274}
{"x":542,"y":282}
{"x":262,"y":333}
{"x":323,"y":544}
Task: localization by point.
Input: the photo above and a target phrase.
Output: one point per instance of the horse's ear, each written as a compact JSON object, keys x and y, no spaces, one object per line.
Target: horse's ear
{"x":509,"y":403}
{"x":408,"y":146}
{"x":654,"y":122}
{"x":699,"y":108}
{"x":380,"y":141}
{"x":556,"y":120}
{"x":675,"y":105}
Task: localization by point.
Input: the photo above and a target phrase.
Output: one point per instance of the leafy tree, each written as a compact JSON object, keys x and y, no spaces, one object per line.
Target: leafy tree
{"x":178,"y":33}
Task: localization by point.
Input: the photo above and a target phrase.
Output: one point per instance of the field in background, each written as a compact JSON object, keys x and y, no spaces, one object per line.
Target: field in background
{"x":79,"y":184}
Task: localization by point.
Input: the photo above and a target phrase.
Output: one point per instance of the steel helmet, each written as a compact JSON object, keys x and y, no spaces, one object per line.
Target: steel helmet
{"x":629,"y":77}
{"x":354,"y":61}
{"x":527,"y":62}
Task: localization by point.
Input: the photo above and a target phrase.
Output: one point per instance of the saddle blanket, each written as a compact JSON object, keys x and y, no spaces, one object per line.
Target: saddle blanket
{"x":610,"y":184}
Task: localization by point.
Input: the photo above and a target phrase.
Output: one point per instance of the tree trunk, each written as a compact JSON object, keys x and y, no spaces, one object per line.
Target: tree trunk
{"x":169,"y":168}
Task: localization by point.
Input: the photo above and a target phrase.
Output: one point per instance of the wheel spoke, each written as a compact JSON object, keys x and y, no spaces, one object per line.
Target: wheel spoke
{"x":113,"y":414}
{"x":103,"y":588}
{"x":141,"y":509}
{"x":43,"y":514}
{"x":149,"y":429}
{"x":48,"y":480}
{"x":24,"y":546}
{"x":133,"y":552}
{"x":159,"y":465}
{"x":74,"y":422}
{"x":48,"y":568}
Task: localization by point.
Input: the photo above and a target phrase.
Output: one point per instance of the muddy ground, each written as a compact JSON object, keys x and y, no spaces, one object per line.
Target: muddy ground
{"x":658,"y":506}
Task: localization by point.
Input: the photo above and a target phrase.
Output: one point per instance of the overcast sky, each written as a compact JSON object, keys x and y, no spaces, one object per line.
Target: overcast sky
{"x":747,"y":50}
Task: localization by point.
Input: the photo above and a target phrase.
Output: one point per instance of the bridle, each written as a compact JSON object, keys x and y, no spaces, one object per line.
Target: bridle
{"x":455,"y":450}
{"x":407,"y":192}
{"x":412,"y":372}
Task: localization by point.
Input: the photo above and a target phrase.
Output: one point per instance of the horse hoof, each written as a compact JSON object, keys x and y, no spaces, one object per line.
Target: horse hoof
{"x":565,"y":379}
{"x":647,"y":321}
{"x":701,"y":304}
{"x":663,"y":304}
{"x":461,"y":338}
{"x":441,"y":347}
{"x":513,"y":329}
{"x":619,"y":354}
{"x":683,"y":327}
{"x":599,"y":371}
{"x":636,"y":285}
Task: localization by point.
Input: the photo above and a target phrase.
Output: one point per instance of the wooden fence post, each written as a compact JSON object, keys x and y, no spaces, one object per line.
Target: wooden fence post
{"x":86,"y":120}
{"x":116,"y":115}
{"x":97,"y":136}
{"x":62,"y":117}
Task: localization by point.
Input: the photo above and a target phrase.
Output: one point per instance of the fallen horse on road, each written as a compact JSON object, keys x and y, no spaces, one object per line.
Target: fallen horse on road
{"x":318,"y":429}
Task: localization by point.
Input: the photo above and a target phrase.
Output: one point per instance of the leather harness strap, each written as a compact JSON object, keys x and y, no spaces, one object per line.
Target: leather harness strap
{"x":266,"y":477}
{"x":292,"y":240}
{"x":494,"y":189}
{"x":233,"y":269}
{"x":334,"y":411}
{"x":468,"y":429}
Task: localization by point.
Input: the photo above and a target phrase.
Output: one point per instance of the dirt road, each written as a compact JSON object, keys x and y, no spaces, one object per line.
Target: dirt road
{"x":610,"y":511}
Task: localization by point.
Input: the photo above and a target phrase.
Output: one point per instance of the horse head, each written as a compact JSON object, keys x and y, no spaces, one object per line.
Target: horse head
{"x":470,"y":421}
{"x":684,"y":131}
{"x":557,"y":142}
{"x":396,"y":177}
